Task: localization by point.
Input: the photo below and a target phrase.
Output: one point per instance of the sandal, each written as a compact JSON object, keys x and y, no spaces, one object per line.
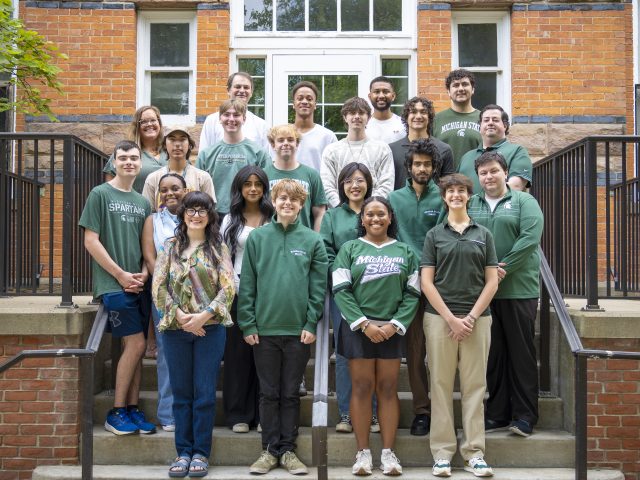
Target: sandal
{"x":180,"y":467}
{"x":199,"y":466}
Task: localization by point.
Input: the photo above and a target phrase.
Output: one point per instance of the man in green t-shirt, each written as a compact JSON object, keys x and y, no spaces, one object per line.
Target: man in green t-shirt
{"x":458,"y":125}
{"x":285,"y":140}
{"x":516,"y":222}
{"x":112,"y":220}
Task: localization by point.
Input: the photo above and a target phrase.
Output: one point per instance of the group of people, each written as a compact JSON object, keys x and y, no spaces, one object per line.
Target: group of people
{"x":417,"y":225}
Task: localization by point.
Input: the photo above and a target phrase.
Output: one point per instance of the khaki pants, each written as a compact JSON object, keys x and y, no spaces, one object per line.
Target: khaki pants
{"x":470,"y":358}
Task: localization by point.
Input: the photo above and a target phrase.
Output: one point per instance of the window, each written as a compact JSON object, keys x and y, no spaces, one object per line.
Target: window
{"x":323,"y":15}
{"x":166,"y":64}
{"x":481,"y":44}
{"x":397,"y":70}
{"x":255,"y":67}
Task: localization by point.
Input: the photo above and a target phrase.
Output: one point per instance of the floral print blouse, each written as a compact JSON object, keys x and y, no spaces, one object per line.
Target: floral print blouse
{"x":193,"y":284}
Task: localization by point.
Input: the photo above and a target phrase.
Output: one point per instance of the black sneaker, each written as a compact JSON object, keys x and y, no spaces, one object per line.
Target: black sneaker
{"x":521,"y":427}
{"x":420,"y":425}
{"x":494,"y":426}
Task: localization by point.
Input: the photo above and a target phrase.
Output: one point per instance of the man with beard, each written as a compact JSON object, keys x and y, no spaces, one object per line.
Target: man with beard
{"x":417,"y":117}
{"x":384,"y":125}
{"x":417,"y":207}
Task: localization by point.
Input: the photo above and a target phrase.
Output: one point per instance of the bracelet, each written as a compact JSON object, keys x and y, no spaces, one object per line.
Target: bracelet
{"x":397,"y":327}
{"x":365,"y":325}
{"x":472,"y":317}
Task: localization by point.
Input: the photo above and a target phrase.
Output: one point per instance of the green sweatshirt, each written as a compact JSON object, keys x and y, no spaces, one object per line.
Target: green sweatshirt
{"x":516,"y":225}
{"x":283,"y":280}
{"x":339,"y":225}
{"x":416,"y":216}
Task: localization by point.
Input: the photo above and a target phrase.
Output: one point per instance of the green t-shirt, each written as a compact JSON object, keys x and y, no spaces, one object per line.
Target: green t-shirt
{"x":516,"y":156}
{"x":149,"y":165}
{"x":416,"y":216}
{"x":461,"y":131}
{"x":224,"y":160}
{"x":310,"y":180}
{"x":117,"y":217}
{"x":460,"y":260}
{"x":376,"y":281}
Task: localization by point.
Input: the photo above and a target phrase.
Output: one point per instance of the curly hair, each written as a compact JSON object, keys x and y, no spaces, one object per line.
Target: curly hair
{"x":212,"y":238}
{"x":424,"y":146}
{"x":409,"y":107}
{"x":459,"y":74}
{"x":392,"y":231}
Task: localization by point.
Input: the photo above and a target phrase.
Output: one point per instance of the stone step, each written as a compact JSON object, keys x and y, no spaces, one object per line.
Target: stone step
{"x":550,"y":409}
{"x":153,"y":472}
{"x":551,"y":448}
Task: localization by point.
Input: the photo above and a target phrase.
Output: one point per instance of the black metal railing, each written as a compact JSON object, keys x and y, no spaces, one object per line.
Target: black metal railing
{"x":550,"y":295}
{"x":44,"y":182}
{"x":86,"y":382}
{"x":591,"y":217}
{"x":320,"y":412}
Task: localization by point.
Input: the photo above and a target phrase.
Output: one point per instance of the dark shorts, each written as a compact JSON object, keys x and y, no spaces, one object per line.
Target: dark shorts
{"x":128,"y":313}
{"x":357,"y":345}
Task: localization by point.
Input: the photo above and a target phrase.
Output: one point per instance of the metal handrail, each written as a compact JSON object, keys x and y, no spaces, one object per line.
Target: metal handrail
{"x":87,"y":358}
{"x":321,"y":394}
{"x":581,"y":355}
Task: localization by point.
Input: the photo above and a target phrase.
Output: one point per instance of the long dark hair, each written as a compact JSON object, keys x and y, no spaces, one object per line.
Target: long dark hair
{"x":347,"y":172}
{"x":392,"y":231}
{"x":212,"y":238}
{"x":236,"y":218}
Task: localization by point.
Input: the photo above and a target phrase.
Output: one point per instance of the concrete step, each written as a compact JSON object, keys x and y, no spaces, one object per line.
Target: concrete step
{"x":551,"y":448}
{"x":550,"y":409}
{"x":148,"y":472}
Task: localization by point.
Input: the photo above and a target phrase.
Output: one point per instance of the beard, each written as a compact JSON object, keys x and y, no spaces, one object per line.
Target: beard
{"x":376,"y":106}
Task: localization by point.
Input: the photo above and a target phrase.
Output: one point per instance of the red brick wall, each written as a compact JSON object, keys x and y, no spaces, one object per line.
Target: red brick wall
{"x":434,"y":55}
{"x":39,"y":407}
{"x":614,"y":409}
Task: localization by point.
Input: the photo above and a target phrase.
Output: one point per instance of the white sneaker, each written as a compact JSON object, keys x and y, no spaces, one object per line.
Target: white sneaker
{"x":478,"y":467}
{"x":441,"y":468}
{"x":364,"y":463}
{"x":389,"y":463}
{"x":240,"y":428}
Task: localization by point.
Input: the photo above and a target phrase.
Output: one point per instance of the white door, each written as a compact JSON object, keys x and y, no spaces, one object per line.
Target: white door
{"x":338,"y":77}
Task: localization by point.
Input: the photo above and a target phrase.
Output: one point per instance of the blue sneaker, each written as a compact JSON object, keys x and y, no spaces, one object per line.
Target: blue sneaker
{"x":119,"y":422}
{"x":521,"y":427}
{"x":138,"y":418}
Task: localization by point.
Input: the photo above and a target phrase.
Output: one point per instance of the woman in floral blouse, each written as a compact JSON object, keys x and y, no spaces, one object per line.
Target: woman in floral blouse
{"x":193,"y":291}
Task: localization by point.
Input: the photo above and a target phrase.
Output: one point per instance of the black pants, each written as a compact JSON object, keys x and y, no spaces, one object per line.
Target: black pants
{"x":280,"y":363}
{"x":240,"y":386}
{"x":512,"y":370}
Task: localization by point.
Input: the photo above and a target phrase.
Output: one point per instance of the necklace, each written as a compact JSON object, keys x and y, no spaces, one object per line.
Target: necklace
{"x":353,"y":157}
{"x":459,"y":227}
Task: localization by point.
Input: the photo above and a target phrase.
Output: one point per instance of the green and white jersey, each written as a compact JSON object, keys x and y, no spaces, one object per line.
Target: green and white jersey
{"x":117,"y":217}
{"x":376,"y":281}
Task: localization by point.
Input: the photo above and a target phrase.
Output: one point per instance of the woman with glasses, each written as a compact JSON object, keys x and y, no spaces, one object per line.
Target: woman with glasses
{"x":146,"y":131}
{"x":193,"y":289}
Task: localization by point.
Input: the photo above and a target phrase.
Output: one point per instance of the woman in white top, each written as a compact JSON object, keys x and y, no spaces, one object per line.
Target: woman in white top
{"x":250,"y":208}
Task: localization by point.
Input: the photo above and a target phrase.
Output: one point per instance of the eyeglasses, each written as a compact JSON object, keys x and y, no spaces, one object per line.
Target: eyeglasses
{"x":355,"y":181}
{"x":192,"y":212}
{"x":152,"y":121}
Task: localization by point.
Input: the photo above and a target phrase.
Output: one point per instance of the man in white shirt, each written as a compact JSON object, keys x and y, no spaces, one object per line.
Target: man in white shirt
{"x":239,"y":86}
{"x":315,"y":137}
{"x":384,"y":125}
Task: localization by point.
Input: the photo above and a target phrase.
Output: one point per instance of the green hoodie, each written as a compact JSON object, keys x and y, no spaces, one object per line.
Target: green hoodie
{"x":339,"y":225}
{"x":516,"y":225}
{"x":283,"y":280}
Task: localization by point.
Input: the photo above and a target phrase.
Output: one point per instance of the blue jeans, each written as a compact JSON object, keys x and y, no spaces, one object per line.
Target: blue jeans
{"x":165,"y":395}
{"x":343,"y":377}
{"x":194,"y":363}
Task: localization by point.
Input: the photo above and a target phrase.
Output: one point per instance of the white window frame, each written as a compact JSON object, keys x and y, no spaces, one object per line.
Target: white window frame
{"x":144,"y":70}
{"x":502,"y":20}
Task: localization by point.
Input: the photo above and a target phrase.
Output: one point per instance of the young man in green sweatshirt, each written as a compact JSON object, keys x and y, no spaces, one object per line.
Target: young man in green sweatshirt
{"x":516,"y":222}
{"x":282,"y":288}
{"x":417,"y":207}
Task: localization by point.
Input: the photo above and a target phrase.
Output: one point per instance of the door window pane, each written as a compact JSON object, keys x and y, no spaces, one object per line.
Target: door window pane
{"x":170,"y":92}
{"x":169,"y":46}
{"x":290,"y":15}
{"x":397,"y":70}
{"x":478,"y":44}
{"x":323,"y":15}
{"x":257,"y":16}
{"x":255,"y":67}
{"x":387,"y":15}
{"x":355,"y":15}
{"x":485,"y":90}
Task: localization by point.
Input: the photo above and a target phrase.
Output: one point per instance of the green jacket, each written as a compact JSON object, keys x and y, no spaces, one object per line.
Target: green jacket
{"x":416,"y":216}
{"x":516,"y":225}
{"x":339,"y":225}
{"x":283,"y":280}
